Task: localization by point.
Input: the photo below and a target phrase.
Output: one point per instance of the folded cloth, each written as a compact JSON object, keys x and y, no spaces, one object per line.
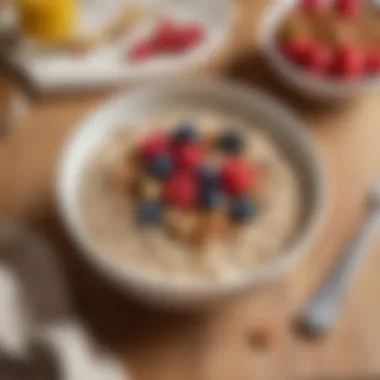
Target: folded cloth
{"x":39,"y":332}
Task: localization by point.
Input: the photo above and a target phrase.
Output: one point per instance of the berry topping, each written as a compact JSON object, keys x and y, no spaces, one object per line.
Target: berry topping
{"x":238,"y":177}
{"x":209,"y":176}
{"x":318,"y":58}
{"x":192,"y":35}
{"x":296,"y":51}
{"x":189,"y":157}
{"x":348,"y":8}
{"x":349,"y":62}
{"x":242,"y":209}
{"x":231,"y":142}
{"x":161,"y":167}
{"x":181,"y":190}
{"x":311,"y":5}
{"x":373,"y":62}
{"x":154,"y":146}
{"x":149,"y":212}
{"x":213,"y":199}
{"x":166,"y":37}
{"x":141,"y":51}
{"x":185,"y":133}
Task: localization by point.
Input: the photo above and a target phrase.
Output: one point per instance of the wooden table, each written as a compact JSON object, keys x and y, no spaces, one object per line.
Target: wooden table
{"x":214,"y":345}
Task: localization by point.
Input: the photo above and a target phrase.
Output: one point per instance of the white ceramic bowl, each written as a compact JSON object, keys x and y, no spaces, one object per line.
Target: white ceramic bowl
{"x":139,"y":105}
{"x":108,"y":66}
{"x":321,"y":89}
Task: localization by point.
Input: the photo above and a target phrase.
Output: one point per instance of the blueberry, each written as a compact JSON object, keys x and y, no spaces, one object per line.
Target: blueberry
{"x":209,"y":176}
{"x":185,"y":133}
{"x":213,"y":199}
{"x":161,"y":167}
{"x":231,"y":142}
{"x":243,"y":209}
{"x":150,"y":212}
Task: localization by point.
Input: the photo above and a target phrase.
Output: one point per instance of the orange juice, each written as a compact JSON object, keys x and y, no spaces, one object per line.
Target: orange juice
{"x":48,"y":21}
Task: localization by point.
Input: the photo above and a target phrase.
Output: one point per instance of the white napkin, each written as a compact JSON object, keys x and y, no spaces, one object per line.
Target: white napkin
{"x":35,"y":308}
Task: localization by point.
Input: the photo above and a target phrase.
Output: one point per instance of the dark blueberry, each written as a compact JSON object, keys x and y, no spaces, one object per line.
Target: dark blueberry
{"x":243,"y":209}
{"x":161,"y":167}
{"x":185,"y":133}
{"x":209,"y":176}
{"x":150,"y":212}
{"x":231,"y":142}
{"x":213,"y":199}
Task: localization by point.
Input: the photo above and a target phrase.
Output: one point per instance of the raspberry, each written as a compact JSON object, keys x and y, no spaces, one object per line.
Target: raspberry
{"x":295,"y":51}
{"x":189,"y":156}
{"x":373,"y":62}
{"x":182,"y":190}
{"x":348,"y":8}
{"x":350,"y":62}
{"x":318,"y":58}
{"x":141,"y":51}
{"x":238,"y":177}
{"x":154,"y":146}
{"x":311,"y":5}
{"x":192,"y":35}
{"x":167,"y":37}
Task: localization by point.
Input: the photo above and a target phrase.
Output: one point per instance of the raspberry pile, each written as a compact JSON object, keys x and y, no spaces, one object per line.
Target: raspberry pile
{"x":341,"y":57}
{"x":167,"y":38}
{"x":178,"y":170}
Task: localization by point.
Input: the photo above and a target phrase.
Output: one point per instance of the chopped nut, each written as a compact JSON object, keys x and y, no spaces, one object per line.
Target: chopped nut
{"x":127,"y":174}
{"x":211,"y":224}
{"x":150,"y":189}
{"x":182,"y":223}
{"x":262,"y":338}
{"x":297,"y":26}
{"x":211,"y":141}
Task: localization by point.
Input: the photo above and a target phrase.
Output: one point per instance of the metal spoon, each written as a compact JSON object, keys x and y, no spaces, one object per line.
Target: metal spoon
{"x":322,"y":311}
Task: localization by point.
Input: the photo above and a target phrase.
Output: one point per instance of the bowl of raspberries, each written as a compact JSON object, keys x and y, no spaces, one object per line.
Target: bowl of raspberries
{"x":327,"y":49}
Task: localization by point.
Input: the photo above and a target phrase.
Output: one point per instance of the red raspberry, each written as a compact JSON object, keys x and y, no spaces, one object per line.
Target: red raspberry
{"x":182,"y":190}
{"x":350,"y":62}
{"x":295,"y":51}
{"x":311,"y":5}
{"x":373,"y":62}
{"x":348,"y":8}
{"x":155,"y":145}
{"x":141,"y":51}
{"x":318,"y":58}
{"x":189,"y":156}
{"x":192,"y":35}
{"x":238,"y":177}
{"x":167,"y":37}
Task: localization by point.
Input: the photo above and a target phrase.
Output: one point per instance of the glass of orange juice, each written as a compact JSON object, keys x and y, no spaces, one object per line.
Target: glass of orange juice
{"x":48,"y":22}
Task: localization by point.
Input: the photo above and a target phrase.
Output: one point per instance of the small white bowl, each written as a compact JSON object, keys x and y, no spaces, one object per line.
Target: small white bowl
{"x":140,"y":105}
{"x":305,"y":84}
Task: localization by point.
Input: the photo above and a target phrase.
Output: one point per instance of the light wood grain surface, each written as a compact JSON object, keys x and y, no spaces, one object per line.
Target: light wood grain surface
{"x":213,"y":345}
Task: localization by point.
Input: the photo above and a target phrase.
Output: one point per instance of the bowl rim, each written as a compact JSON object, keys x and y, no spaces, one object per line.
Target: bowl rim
{"x":133,"y":279}
{"x":274,"y":15}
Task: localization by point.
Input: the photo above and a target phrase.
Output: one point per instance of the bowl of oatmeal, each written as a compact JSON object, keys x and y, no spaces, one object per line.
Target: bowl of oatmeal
{"x":187,"y":193}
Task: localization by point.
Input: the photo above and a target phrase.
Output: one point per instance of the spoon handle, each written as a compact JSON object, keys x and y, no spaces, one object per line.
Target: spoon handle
{"x":322,"y":312}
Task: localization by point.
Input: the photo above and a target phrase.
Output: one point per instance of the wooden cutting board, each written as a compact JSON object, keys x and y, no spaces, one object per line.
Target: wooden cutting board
{"x":215,"y":345}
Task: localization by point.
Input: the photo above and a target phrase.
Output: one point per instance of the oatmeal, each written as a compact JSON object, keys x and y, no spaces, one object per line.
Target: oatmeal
{"x":191,"y":195}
